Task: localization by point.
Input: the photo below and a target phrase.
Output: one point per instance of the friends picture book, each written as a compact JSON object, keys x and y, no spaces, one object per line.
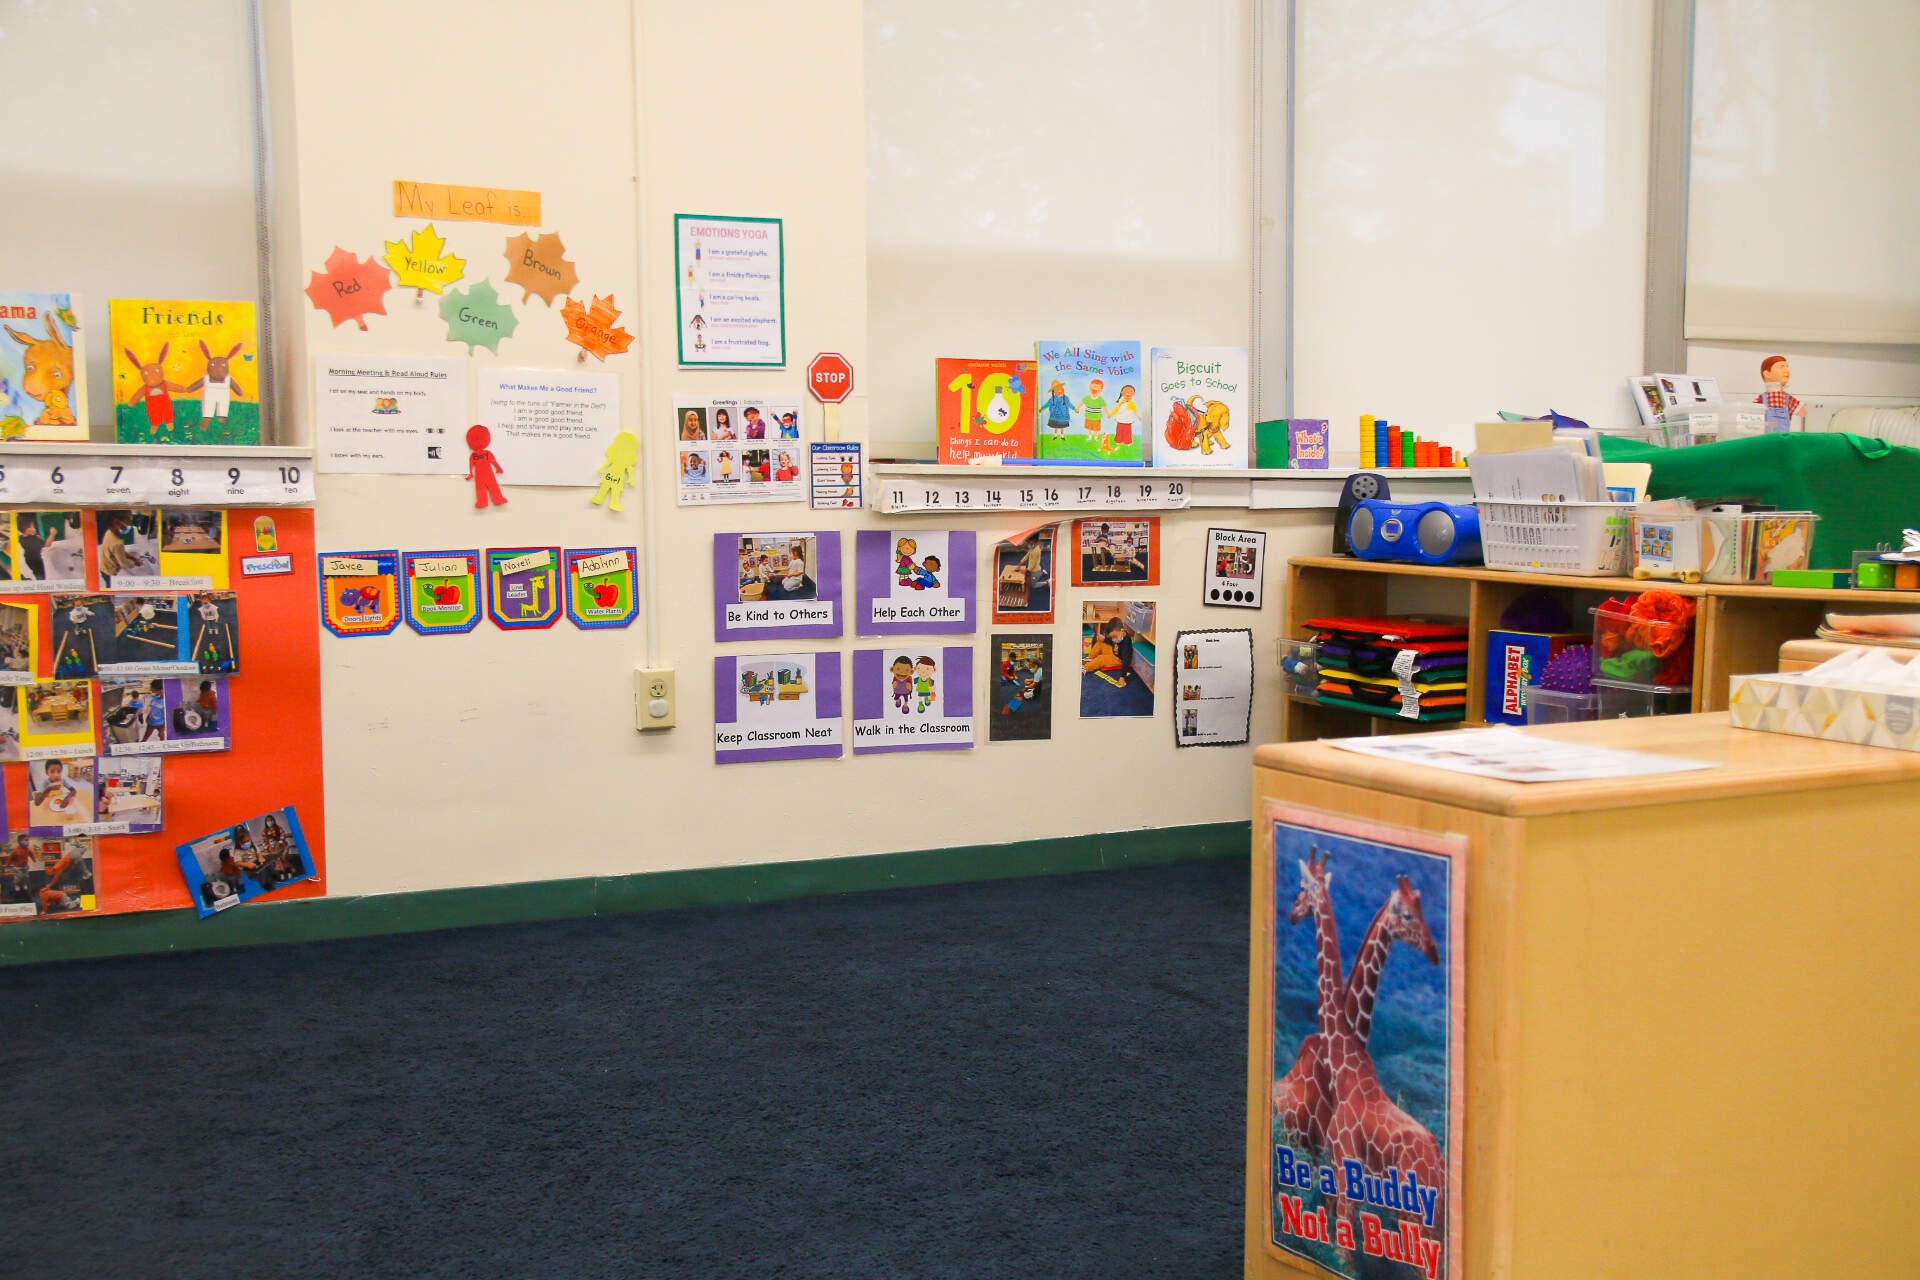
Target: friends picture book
{"x":984,"y":408}
{"x":1088,"y":403}
{"x":184,"y":372}
{"x":1201,"y":410}
{"x":43,"y":367}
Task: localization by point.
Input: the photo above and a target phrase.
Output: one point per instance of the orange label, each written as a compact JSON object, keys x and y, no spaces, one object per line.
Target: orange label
{"x":465,"y":204}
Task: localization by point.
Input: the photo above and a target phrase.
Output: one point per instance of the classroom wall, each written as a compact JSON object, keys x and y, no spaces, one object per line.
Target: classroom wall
{"x":503,"y":757}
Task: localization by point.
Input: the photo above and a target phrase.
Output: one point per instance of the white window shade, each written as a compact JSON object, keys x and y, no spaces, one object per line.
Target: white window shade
{"x":128,"y":158}
{"x":1804,"y":206}
{"x":1051,"y":170}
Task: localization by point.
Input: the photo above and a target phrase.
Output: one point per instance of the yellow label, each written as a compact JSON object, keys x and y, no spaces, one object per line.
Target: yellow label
{"x":594,"y":566}
{"x":450,"y":567}
{"x":520,"y":564}
{"x":347,"y":567}
{"x":449,"y":202}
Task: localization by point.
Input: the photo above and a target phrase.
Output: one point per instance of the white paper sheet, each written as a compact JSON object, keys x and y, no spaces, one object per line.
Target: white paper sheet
{"x":1513,"y":756}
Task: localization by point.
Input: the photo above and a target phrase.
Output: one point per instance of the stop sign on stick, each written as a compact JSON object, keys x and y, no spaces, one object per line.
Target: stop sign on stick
{"x":830,"y":377}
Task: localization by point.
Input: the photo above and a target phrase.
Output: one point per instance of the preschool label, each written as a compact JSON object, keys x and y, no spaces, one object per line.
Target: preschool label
{"x":265,"y":566}
{"x":734,"y":737}
{"x":800,"y":613}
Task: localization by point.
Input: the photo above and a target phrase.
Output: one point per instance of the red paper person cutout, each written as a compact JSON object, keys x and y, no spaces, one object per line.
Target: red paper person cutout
{"x":350,"y":289}
{"x":591,"y":328}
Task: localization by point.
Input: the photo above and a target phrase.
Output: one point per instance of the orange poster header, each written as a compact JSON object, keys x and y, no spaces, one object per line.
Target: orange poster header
{"x":465,"y":204}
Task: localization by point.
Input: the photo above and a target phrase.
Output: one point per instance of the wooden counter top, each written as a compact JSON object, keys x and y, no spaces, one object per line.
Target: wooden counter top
{"x":1748,"y":762}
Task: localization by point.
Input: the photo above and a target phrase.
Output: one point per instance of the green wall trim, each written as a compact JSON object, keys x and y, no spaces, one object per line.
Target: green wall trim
{"x":317,"y":919}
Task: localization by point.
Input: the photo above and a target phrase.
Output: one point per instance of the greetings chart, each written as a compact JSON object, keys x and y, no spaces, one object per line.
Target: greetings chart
{"x":776,"y":706}
{"x":1214,"y":678}
{"x":731,"y":276}
{"x":523,"y":587}
{"x":919,"y":583}
{"x":741,"y":448}
{"x":909,"y":698}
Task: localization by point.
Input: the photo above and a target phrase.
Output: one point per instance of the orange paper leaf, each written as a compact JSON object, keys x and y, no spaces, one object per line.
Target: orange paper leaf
{"x":591,"y":328}
{"x":539,"y":265}
{"x":350,"y":289}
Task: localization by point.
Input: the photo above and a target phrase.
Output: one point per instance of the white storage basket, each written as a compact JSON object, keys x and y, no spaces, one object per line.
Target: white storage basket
{"x":1590,"y":539}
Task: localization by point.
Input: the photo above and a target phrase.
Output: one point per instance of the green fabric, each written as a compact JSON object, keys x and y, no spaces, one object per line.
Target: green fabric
{"x":1865,"y":491}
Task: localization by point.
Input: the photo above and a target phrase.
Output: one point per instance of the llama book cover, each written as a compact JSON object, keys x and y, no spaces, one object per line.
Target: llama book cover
{"x":1088,"y":405}
{"x":43,"y":367}
{"x":1201,"y":410}
{"x":984,"y":408}
{"x":184,"y":372}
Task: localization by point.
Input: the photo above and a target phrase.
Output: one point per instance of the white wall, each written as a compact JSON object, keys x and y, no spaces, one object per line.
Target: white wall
{"x":1469,"y":210}
{"x":508,"y":757}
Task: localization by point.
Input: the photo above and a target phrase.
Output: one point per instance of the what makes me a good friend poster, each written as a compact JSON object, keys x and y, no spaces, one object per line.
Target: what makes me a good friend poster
{"x":1363,"y":1163}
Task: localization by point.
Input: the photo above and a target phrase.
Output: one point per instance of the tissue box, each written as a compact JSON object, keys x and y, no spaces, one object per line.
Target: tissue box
{"x":1778,"y":703}
{"x":1516,"y":659}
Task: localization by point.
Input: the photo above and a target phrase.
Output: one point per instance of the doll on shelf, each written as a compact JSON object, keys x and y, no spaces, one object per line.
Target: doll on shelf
{"x":1782,"y":406}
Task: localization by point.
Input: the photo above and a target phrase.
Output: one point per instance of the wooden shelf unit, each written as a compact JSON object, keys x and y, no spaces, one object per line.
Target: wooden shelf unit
{"x":1739,"y":629}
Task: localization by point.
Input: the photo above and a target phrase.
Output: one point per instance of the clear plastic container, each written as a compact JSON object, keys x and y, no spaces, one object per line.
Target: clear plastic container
{"x":1618,"y":637}
{"x":1668,"y":544}
{"x":1300,"y":666}
{"x":1625,"y":699}
{"x":1749,"y":546}
{"x":1711,"y":423}
{"x":1588,"y":539}
{"x":1551,"y":706}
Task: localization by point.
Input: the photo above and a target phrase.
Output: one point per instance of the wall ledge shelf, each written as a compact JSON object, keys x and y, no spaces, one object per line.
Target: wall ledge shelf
{"x":923,"y":488}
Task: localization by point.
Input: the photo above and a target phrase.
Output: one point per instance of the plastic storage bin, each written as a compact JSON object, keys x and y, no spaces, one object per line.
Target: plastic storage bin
{"x":1709,"y":424}
{"x":1551,"y":706}
{"x":1618,"y":637}
{"x":1749,"y":546}
{"x":1588,"y":539}
{"x":1300,"y":666}
{"x":1669,"y":544}
{"x":1623,"y":699}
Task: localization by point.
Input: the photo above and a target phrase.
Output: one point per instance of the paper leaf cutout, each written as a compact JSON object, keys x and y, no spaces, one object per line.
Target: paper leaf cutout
{"x":539,"y":265}
{"x":477,"y":317}
{"x":591,"y":329}
{"x":350,"y":289}
{"x":423,"y":262}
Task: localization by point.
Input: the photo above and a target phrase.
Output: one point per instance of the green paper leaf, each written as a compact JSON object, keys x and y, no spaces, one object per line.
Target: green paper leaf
{"x":477,"y":317}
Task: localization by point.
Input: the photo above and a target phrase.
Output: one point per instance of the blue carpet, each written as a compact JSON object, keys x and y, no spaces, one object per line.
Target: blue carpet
{"x":1020,"y":1078}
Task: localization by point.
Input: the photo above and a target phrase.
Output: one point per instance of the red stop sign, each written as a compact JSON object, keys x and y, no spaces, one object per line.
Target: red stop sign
{"x":830,"y":377}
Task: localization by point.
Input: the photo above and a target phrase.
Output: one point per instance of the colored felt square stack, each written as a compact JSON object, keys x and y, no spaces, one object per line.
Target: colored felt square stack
{"x":1411,"y":668}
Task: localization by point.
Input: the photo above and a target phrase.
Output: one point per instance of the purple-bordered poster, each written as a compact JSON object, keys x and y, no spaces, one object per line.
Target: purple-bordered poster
{"x":776,"y":706}
{"x":776,"y":586}
{"x":914,"y":582}
{"x":912,"y":697}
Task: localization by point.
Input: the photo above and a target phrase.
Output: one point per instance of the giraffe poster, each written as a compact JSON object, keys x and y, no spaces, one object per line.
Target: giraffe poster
{"x":1365,"y":1112}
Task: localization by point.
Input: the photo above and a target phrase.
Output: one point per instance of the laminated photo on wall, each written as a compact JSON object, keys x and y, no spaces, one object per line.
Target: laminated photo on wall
{"x":82,"y":632}
{"x":165,"y":716}
{"x":1109,"y":551}
{"x":1213,"y":672}
{"x":908,"y":698}
{"x":240,"y":863}
{"x":47,"y":877}
{"x":1020,"y":707}
{"x":776,"y":706}
{"x":739,"y":449}
{"x":61,"y":795}
{"x":1363,"y":1157}
{"x":1116,"y":658}
{"x":171,"y":635}
{"x":46,"y":551}
{"x":19,"y":643}
{"x":129,"y":795}
{"x":1023,"y":577}
{"x":192,"y":554}
{"x":774,"y":586}
{"x":1235,"y":570}
{"x":127,"y":544}
{"x":914,"y":583}
{"x":441,"y":591}
{"x":56,"y":719}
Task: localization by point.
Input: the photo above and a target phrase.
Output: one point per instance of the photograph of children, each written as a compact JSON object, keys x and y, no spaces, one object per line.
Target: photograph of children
{"x":1116,"y":658}
{"x":756,"y":463}
{"x":146,"y":636}
{"x":57,"y":714}
{"x":133,"y":711}
{"x":10,"y":724}
{"x":1125,"y":552}
{"x":693,"y":466}
{"x":723,"y":425}
{"x":1023,"y":577}
{"x":60,"y":794}
{"x":753,"y":426}
{"x":1232,"y":573}
{"x":197,"y":711}
{"x":40,"y":877}
{"x":17,"y":643}
{"x":789,"y":425}
{"x":777,"y":567}
{"x":776,"y":706}
{"x":128,"y":544}
{"x":48,"y":551}
{"x":214,"y":617}
{"x":246,"y":860}
{"x":128,"y":790}
{"x":726,"y":467}
{"x":82,"y":635}
{"x":1021,"y":678}
{"x":693,"y":421}
{"x":786,"y":468}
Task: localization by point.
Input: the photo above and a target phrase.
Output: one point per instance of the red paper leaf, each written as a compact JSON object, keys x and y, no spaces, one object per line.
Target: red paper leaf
{"x":591,"y":329}
{"x":350,"y":289}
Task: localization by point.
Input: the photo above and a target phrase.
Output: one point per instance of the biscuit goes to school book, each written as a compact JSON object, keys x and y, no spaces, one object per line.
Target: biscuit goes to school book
{"x":984,"y":408}
{"x":43,"y":367}
{"x":1091,"y":405}
{"x":184,"y":372}
{"x":1202,"y":415}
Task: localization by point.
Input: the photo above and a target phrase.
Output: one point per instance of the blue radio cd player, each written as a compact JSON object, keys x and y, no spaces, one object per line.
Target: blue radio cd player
{"x":1421,"y":532}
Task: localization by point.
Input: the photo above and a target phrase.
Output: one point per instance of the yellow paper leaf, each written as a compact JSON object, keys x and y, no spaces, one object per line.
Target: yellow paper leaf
{"x":423,"y":262}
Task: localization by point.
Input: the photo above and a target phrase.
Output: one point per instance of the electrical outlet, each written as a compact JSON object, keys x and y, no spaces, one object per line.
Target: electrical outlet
{"x":654,"y":704}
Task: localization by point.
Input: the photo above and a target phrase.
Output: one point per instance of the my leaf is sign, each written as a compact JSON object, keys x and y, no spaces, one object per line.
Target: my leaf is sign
{"x":465,"y":204}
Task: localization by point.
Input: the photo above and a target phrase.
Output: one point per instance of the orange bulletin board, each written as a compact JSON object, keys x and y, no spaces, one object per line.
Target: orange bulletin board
{"x":273,"y":716}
